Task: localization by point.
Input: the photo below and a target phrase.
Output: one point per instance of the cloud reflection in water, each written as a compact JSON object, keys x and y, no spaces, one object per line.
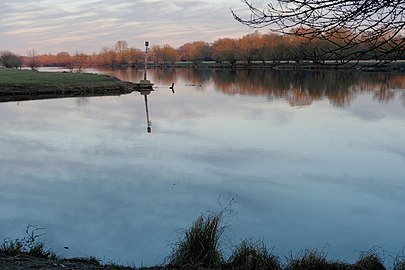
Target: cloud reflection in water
{"x":305,"y":176}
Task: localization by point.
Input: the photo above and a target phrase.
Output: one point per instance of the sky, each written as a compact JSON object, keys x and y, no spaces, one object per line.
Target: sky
{"x":51,"y":26}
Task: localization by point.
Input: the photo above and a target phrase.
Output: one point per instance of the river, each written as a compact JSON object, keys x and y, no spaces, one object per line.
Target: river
{"x":310,"y":160}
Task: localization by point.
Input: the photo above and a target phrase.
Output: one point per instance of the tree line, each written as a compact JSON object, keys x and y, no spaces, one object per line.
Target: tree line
{"x":254,"y":47}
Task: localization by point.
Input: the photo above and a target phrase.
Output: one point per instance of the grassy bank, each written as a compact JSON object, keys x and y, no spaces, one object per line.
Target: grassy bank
{"x":198,"y":248}
{"x":28,"y":78}
{"x":26,"y":84}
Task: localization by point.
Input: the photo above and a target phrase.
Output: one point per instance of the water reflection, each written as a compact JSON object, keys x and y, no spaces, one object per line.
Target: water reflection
{"x":82,"y":101}
{"x":403,"y":99}
{"x":298,"y":88}
{"x":145,"y":93}
{"x":303,"y":88}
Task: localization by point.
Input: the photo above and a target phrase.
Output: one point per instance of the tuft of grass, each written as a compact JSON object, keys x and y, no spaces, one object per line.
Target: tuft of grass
{"x":39,"y":250}
{"x":12,"y":247}
{"x":200,"y":245}
{"x":30,"y":245}
{"x":253,"y":256}
{"x":399,"y":264}
{"x":369,"y":261}
{"x":315,"y":260}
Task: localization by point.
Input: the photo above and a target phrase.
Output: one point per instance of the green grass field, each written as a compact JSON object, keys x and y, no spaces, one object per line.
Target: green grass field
{"x":28,"y":78}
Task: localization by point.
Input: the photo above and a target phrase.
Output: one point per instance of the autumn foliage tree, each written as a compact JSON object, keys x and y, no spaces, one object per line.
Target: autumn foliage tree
{"x":276,"y":48}
{"x":135,"y":55}
{"x":64,"y":59}
{"x":249,"y":47}
{"x":164,"y":54}
{"x":195,"y":52}
{"x":107,"y":56}
{"x":121,"y":50}
{"x":225,"y":49}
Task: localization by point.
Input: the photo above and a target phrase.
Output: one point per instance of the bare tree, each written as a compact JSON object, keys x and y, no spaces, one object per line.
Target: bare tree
{"x":121,"y":49}
{"x":80,"y":60}
{"x":353,"y":29}
{"x":108,"y":56}
{"x":32,"y":59}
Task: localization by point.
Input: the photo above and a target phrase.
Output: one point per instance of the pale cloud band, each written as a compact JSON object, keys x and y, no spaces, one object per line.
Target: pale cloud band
{"x":51,"y":26}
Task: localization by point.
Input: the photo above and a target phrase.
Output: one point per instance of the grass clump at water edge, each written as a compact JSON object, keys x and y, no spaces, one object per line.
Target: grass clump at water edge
{"x":369,"y":260}
{"x":200,"y":245}
{"x":30,"y":244}
{"x":251,"y":256}
{"x":314,"y":260}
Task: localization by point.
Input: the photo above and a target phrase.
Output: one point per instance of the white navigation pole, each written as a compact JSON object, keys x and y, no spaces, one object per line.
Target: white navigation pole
{"x":145,"y":84}
{"x":146,"y":57}
{"x":148,"y":122}
{"x":145,"y":88}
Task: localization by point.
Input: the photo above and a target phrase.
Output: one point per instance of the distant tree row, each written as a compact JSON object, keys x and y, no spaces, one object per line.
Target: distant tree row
{"x":254,"y":47}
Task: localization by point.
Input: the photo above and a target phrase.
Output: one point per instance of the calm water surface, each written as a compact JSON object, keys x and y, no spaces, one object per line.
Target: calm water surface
{"x":314,"y":160}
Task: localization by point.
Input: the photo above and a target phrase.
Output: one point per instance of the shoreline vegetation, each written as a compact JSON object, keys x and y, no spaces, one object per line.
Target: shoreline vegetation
{"x":281,"y":65}
{"x":198,"y":248}
{"x":19,"y":85}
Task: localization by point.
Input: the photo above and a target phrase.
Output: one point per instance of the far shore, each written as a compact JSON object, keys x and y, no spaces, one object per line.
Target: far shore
{"x":361,"y":65}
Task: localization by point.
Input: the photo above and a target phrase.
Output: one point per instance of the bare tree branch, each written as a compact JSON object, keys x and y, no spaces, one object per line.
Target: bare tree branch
{"x":352,"y":29}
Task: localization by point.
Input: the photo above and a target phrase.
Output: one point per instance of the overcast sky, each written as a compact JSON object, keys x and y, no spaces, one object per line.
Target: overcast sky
{"x":50,"y":26}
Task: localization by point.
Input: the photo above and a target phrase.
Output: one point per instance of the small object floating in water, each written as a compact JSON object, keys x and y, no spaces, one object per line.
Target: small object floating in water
{"x":172,"y":87}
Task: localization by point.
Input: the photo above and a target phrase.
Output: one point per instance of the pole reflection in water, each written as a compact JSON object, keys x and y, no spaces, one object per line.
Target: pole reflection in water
{"x":145,"y":93}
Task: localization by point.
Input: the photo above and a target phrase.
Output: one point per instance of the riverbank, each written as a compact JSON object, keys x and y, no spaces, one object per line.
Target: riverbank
{"x":283,"y":65}
{"x":249,"y":257}
{"x":19,"y":85}
{"x":198,"y":248}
